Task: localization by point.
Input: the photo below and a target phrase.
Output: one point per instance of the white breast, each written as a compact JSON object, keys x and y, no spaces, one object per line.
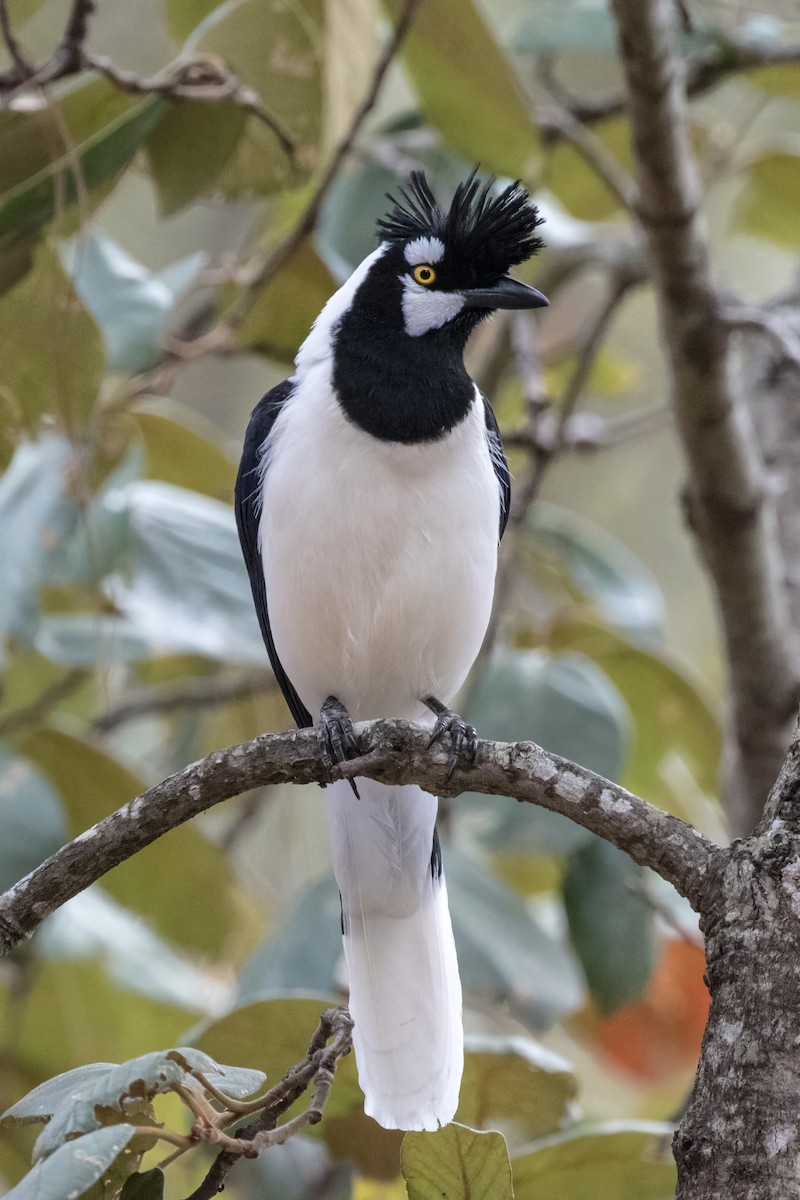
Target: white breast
{"x":379,"y":558}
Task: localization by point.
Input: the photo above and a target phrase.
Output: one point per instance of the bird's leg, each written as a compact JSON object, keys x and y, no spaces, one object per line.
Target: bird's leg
{"x":463,"y":738}
{"x":336,"y":736}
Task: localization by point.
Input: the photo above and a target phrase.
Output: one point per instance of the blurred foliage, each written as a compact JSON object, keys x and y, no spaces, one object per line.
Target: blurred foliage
{"x":129,"y":221}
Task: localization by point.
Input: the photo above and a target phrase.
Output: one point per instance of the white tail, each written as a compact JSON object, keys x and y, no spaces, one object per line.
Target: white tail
{"x":405,"y":994}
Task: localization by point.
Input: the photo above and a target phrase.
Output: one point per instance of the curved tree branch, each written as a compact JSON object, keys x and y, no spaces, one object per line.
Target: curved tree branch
{"x":394,"y":752}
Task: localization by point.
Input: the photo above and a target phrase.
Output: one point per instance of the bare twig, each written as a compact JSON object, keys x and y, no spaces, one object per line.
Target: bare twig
{"x":205,"y":80}
{"x":23,"y":718}
{"x":200,"y":693}
{"x":335,"y":1028}
{"x":17,"y":54}
{"x":768,"y":322}
{"x":393,"y":752}
{"x":66,"y":59}
{"x":602,"y":161}
{"x":729,"y":55}
{"x":728,"y":506}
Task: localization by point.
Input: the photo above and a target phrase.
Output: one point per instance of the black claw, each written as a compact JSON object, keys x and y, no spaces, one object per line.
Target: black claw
{"x":336,"y":736}
{"x":463,"y":737}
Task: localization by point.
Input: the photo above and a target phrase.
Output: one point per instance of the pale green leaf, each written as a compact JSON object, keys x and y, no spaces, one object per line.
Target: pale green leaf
{"x":37,"y":516}
{"x":181,"y":174}
{"x":62,"y":377}
{"x":74,"y":1167}
{"x":618,"y":584}
{"x":458,"y":1163}
{"x":131,"y":305}
{"x":767,"y":207}
{"x":675,"y":754}
{"x":564,"y":703}
{"x":275,"y":49}
{"x":615,"y":1160}
{"x":187,"y":589}
{"x":468,"y":88}
{"x":514,"y":1080}
{"x":38,"y":168}
{"x":31,"y":820}
{"x":193,"y":908}
{"x":183,"y":449}
{"x":527,"y":968}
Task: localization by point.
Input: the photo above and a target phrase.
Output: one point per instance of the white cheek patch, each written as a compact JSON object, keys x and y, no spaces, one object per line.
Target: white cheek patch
{"x":424,"y":250}
{"x":424,"y":310}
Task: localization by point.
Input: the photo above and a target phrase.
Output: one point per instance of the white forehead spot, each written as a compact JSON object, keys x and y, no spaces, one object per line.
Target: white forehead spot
{"x":424,"y":250}
{"x":424,"y":310}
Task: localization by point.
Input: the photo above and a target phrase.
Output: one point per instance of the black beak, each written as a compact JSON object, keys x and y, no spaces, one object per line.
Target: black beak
{"x":508,"y":293}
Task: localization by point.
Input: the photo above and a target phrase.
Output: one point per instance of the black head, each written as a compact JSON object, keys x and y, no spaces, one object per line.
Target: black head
{"x":398,"y":343}
{"x":484,"y":233}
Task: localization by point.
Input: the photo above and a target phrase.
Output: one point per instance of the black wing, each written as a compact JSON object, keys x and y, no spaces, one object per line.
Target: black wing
{"x":499,"y":463}
{"x":248,"y":513}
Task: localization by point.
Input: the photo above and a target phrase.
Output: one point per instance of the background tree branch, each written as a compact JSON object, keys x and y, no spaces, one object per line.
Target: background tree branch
{"x":394,"y":752}
{"x":727,"y":504}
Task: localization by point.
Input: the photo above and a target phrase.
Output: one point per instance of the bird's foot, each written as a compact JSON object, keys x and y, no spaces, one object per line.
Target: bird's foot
{"x":463,"y":738}
{"x":336,"y":736}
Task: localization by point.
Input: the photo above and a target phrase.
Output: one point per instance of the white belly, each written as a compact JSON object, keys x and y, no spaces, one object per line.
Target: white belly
{"x":379,"y":558}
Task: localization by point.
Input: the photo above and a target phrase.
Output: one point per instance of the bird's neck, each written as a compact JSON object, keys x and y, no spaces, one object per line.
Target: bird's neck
{"x":399,"y":388}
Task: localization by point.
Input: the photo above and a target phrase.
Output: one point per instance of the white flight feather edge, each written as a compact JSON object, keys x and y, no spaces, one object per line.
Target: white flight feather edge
{"x":379,"y":561}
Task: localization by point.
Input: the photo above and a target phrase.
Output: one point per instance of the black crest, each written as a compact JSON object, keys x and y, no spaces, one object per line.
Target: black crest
{"x":490,"y":231}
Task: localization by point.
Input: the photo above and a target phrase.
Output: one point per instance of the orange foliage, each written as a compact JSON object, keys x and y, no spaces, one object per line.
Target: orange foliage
{"x":654,"y":1037}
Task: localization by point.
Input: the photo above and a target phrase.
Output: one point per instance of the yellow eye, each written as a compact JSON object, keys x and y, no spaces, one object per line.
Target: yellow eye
{"x":425,"y":275}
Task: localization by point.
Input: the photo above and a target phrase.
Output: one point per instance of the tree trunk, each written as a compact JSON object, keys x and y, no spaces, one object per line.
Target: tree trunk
{"x":740,"y":1136}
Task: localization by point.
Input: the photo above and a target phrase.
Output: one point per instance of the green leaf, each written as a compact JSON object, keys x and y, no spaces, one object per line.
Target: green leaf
{"x":145,"y":1185}
{"x":610,"y":923}
{"x":618,"y":584}
{"x":576,"y":184}
{"x":468,"y":87}
{"x":181,"y":174}
{"x":62,"y":377}
{"x":20,"y":11}
{"x":288,"y":306}
{"x":37,"y":515}
{"x":303,"y":952}
{"x":188,"y":589}
{"x":31,"y":819}
{"x":766,"y":207}
{"x":527,"y":969}
{"x":289,"y":1020}
{"x":131,"y":305}
{"x":38,"y":169}
{"x":193,"y":908}
{"x":458,"y":1163}
{"x":183,"y":449}
{"x":275,"y":49}
{"x":779,"y":80}
{"x":674,"y":759}
{"x":74,"y":1167}
{"x":614,"y":1160}
{"x":566,"y":704}
{"x":514,"y":1079}
{"x":185,"y":15}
